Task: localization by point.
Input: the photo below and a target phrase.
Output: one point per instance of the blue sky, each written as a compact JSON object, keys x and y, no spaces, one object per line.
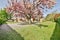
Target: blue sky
{"x":56,"y":7}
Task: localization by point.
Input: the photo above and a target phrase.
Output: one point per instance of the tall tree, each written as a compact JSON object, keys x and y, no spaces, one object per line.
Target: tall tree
{"x":29,"y":9}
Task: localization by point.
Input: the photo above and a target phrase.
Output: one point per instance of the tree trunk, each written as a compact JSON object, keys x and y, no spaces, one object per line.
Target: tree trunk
{"x":30,"y":21}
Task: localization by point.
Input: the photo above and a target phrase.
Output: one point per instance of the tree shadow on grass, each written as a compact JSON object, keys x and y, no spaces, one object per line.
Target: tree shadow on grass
{"x":56,"y":33}
{"x":7,"y":33}
{"x":41,"y":25}
{"x":34,"y":23}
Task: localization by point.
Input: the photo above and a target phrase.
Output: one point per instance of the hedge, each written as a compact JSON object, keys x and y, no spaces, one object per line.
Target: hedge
{"x":3,"y":16}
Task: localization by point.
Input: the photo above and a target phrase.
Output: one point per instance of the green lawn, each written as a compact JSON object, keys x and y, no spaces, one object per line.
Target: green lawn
{"x":56,"y":33}
{"x":41,"y":31}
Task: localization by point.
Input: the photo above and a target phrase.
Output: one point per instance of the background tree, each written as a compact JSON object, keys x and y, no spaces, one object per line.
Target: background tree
{"x":29,"y":9}
{"x":52,"y":16}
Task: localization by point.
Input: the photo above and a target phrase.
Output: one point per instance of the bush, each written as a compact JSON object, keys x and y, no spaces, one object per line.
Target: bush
{"x":57,"y":20}
{"x":3,"y":16}
{"x":50,"y":17}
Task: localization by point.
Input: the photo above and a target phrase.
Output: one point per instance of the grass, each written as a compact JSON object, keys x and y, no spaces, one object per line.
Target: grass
{"x":37,"y":31}
{"x":44,"y":31}
{"x":56,"y":33}
{"x":10,"y":22}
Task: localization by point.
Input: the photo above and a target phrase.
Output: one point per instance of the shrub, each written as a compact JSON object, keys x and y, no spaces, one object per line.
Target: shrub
{"x":50,"y":17}
{"x":3,"y":16}
{"x":57,"y":20}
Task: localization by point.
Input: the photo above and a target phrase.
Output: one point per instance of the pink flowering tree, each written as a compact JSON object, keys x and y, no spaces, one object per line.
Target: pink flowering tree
{"x":29,"y":9}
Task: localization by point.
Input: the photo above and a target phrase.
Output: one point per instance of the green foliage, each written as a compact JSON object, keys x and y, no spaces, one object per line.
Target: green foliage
{"x":50,"y":17}
{"x":56,"y":33}
{"x":57,"y":20}
{"x":9,"y":16}
{"x":3,"y":16}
